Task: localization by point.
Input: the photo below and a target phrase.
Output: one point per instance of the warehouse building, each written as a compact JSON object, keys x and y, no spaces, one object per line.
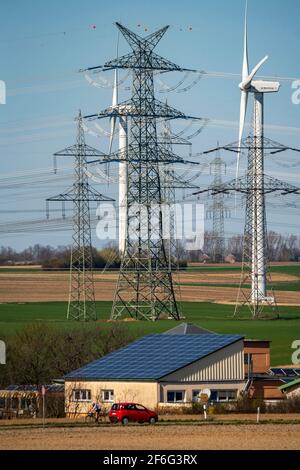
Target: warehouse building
{"x":161,"y":369}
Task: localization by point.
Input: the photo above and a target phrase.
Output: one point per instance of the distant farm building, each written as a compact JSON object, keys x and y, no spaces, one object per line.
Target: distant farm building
{"x":26,"y":401}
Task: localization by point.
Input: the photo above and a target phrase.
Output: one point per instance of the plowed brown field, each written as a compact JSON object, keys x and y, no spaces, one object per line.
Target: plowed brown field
{"x":180,"y":437}
{"x":53,"y":286}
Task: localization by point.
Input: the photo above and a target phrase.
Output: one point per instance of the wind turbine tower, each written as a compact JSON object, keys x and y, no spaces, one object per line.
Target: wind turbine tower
{"x":254,"y":185}
{"x":123,"y":142}
{"x":256,"y":214}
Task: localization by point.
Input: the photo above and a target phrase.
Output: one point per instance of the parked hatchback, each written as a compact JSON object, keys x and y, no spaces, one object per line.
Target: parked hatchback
{"x":131,"y":412}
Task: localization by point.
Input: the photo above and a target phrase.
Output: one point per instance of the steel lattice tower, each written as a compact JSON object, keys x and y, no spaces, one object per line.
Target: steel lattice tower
{"x":255,"y":261}
{"x":255,"y":185}
{"x":218,"y":211}
{"x":167,"y":176}
{"x":169,"y":183}
{"x":81,"y":305}
{"x":145,"y":288}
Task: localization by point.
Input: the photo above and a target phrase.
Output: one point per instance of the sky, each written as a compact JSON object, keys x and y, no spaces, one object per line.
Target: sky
{"x":44,"y":44}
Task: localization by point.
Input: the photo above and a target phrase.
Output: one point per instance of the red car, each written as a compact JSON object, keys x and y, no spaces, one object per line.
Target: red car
{"x":125,"y":412}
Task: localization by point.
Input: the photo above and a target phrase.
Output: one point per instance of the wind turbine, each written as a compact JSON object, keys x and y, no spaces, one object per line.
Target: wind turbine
{"x":258,"y":241}
{"x":123,"y":141}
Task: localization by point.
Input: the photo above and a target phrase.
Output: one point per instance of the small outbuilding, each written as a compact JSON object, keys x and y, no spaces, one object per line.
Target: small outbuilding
{"x":18,"y":401}
{"x":291,"y":389}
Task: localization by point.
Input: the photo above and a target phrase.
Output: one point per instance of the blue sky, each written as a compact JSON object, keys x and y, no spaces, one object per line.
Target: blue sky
{"x":43,"y":44}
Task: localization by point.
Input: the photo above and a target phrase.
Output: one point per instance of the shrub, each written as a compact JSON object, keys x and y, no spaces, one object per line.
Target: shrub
{"x":249,"y":405}
{"x":290,"y":405}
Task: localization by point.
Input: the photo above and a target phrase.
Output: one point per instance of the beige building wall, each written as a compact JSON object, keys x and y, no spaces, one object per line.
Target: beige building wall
{"x":145,"y":393}
{"x":226,"y":364}
{"x":188,"y":388}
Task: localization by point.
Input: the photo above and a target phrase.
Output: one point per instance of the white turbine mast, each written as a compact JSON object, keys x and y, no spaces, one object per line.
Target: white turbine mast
{"x":258,"y":88}
{"x":123,"y":142}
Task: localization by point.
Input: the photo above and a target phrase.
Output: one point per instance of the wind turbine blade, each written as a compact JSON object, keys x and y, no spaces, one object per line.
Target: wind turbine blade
{"x":243,"y":111}
{"x":113,"y":105}
{"x":245,"y":69}
{"x":247,"y":81}
{"x":115,"y":89}
{"x":112,"y":131}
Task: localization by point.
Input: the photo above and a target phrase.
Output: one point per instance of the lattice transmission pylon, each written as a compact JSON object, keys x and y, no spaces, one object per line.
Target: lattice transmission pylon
{"x":145,"y":288}
{"x":218,"y":211}
{"x":81,"y":304}
{"x":168,"y":178}
{"x":254,"y":291}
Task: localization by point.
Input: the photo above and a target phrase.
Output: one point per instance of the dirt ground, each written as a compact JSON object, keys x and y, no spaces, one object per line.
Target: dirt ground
{"x":180,"y":437}
{"x":53,"y":286}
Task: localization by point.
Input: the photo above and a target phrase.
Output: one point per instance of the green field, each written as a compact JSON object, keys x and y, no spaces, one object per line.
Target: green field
{"x":293,"y":270}
{"x":281,"y":331}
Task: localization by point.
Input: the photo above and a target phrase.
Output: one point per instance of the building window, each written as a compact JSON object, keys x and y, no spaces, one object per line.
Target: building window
{"x":223,"y":395}
{"x":175,"y":396}
{"x":195,"y":396}
{"x":107,"y":395}
{"x":81,"y":395}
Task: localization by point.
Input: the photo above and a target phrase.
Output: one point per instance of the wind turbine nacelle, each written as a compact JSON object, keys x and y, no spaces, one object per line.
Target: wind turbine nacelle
{"x":262,"y":86}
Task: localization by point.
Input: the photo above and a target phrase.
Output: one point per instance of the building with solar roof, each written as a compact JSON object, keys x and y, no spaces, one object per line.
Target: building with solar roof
{"x":161,"y":369}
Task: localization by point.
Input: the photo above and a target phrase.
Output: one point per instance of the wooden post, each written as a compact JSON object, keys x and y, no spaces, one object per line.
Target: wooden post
{"x":204,"y":411}
{"x":43,"y":395}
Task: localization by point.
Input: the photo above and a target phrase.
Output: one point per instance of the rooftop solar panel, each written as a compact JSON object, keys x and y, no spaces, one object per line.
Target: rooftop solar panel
{"x":34,"y":388}
{"x":287,"y":379}
{"x":153,"y":356}
{"x":285,"y":372}
{"x":290,"y":372}
{"x":276,"y":371}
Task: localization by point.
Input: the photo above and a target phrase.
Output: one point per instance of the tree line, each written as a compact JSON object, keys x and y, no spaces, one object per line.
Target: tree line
{"x":281,"y":247}
{"x":56,"y":257}
{"x":40,"y":352}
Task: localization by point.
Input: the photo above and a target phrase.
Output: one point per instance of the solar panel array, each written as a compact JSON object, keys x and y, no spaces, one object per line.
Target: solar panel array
{"x":285,"y":372}
{"x":34,"y":388}
{"x":25,"y":388}
{"x":153,"y":356}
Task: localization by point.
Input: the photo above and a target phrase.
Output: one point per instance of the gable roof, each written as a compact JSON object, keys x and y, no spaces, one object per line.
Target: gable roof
{"x":187,"y":329}
{"x":153,"y":356}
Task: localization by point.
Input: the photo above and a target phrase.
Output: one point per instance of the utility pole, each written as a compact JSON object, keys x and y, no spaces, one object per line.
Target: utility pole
{"x":145,"y":288}
{"x":81,"y":304}
{"x":255,"y":185}
{"x":167,"y":175}
{"x":218,"y":211}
